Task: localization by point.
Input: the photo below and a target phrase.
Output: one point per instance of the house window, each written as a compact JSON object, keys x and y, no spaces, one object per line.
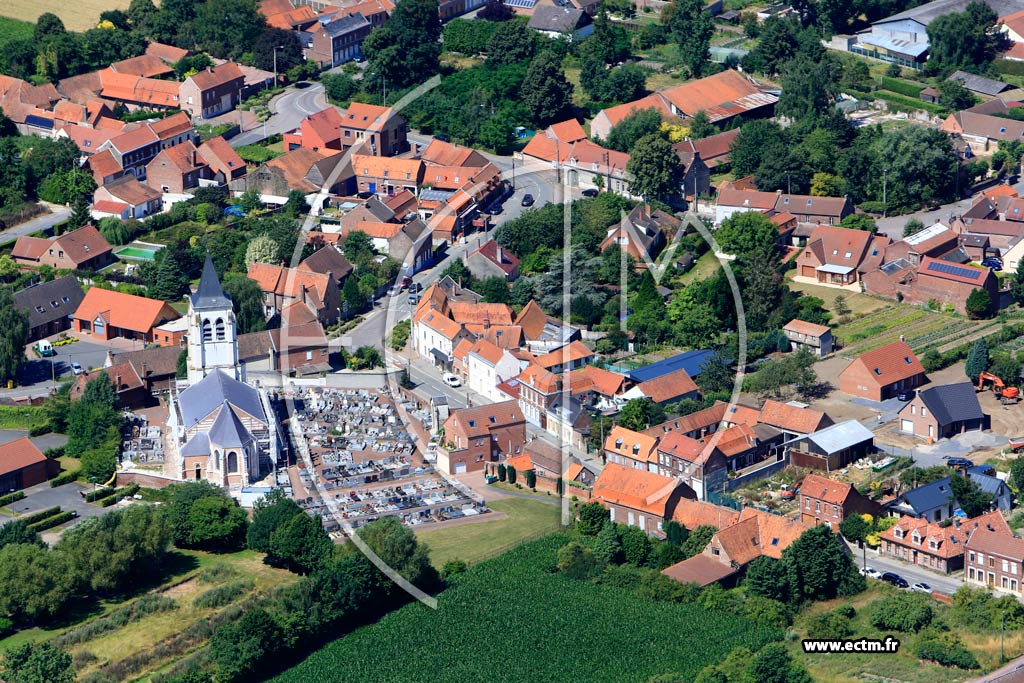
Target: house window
{"x":924,"y":412}
{"x":835,"y":510}
{"x":309,"y":355}
{"x":715,"y":551}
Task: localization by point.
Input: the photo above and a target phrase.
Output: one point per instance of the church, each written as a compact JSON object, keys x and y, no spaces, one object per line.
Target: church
{"x":224,"y":429}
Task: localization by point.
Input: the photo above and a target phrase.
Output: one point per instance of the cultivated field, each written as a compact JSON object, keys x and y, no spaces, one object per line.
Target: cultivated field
{"x":77,"y":16}
{"x":514,"y":618}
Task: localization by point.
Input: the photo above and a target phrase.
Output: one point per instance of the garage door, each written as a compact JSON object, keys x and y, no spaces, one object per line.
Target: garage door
{"x":907,"y":426}
{"x":460,"y":468}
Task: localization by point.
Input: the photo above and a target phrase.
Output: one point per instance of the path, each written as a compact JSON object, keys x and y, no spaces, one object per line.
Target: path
{"x":58,"y":214}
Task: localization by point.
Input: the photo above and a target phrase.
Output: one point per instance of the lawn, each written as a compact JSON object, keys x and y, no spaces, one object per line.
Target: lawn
{"x":477,"y":541}
{"x":77,"y":16}
{"x":513,"y":619}
{"x":704,"y":268}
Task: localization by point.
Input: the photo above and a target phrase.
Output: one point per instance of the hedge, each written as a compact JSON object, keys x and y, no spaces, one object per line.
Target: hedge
{"x":41,"y":515}
{"x":119,"y":494}
{"x":902,"y":87}
{"x":53,"y":521}
{"x":901,"y":103}
{"x":947,"y":655}
{"x":54,"y":453}
{"x":11,"y":498}
{"x":101,"y":492}
{"x":65,"y":478}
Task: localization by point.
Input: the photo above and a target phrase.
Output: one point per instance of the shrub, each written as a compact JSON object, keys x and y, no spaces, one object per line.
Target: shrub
{"x":222,"y":595}
{"x":218,"y":572}
{"x":946,"y":654}
{"x":904,"y":612}
{"x":101,"y":492}
{"x":11,"y":498}
{"x":54,"y":453}
{"x":41,"y":515}
{"x":51,"y":522}
{"x":577,"y":561}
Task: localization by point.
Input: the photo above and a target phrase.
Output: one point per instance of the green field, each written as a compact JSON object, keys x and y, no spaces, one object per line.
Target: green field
{"x":513,"y":619}
{"x":477,"y":541}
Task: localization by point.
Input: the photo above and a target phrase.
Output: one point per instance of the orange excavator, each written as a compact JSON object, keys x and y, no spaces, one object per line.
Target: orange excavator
{"x":1006,"y":394}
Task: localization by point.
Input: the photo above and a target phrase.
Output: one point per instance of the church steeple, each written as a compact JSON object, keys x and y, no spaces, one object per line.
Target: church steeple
{"x":212,"y":338}
{"x":209,"y":294}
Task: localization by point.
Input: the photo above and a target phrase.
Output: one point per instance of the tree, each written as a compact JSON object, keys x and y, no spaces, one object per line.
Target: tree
{"x":511,"y":473}
{"x":1016,"y":474}
{"x":826,"y":185}
{"x":860,"y":221}
{"x":340,"y":87}
{"x":964,"y":40}
{"x":636,"y":546}
{"x":262,"y":249}
{"x":977,"y":360}
{"x":591,"y":518}
{"x":818,"y":567}
{"x":228,"y":28}
{"x":979,"y":304}
{"x":973,"y":501}
{"x":607,"y":546}
{"x":289,"y":50}
{"x":746,"y":234}
{"x":114,"y":230}
{"x":181,"y":498}
{"x":640,"y":413}
{"x":912,"y":227}
{"x":772,"y":664}
{"x":48,"y":26}
{"x":1005,"y":367}
{"x":397,"y":546}
{"x":502,"y":472}
{"x":715,"y":376}
{"x":13,"y":337}
{"x":239,"y":648}
{"x":366,"y":358}
{"x":496,"y":10}
{"x":698,"y":539}
{"x":38,"y":663}
{"x":640,"y":123}
{"x":18,"y":531}
{"x":577,"y":561}
{"x":79,"y":213}
{"x":531,"y":479}
{"x":766,"y":577}
{"x":247,"y":303}
{"x":512,"y":42}
{"x":358,"y":248}
{"x":216,"y":524}
{"x":406,"y":50}
{"x":494,"y":290}
{"x":36,"y":583}
{"x":854,"y":528}
{"x":809,"y":88}
{"x":692,"y":28}
{"x":655,"y":168}
{"x":300,"y":544}
{"x":171,"y":280}
{"x":701,"y":126}
{"x":545,"y":90}
{"x":953,"y":96}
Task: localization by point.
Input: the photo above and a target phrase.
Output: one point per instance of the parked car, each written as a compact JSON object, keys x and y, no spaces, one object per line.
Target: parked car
{"x":590,"y":192}
{"x":527,"y":199}
{"x":959,"y":462}
{"x":495,"y":209}
{"x":76,"y":367}
{"x":871,"y":571}
{"x":921,"y":587}
{"x":905,"y":396}
{"x":414,"y":299}
{"x":45,"y":349}
{"x":452,"y":380}
{"x":895,"y":579}
{"x":993,"y":263}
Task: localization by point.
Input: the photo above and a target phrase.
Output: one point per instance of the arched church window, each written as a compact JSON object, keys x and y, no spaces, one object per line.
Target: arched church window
{"x":232,"y":461}
{"x":216,"y":460}
{"x":220,"y":329}
{"x":207,"y":330}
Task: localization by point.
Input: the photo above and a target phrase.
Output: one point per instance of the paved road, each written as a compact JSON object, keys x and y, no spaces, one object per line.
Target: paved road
{"x":912,"y":573}
{"x":36,"y":376}
{"x":45,"y":222}
{"x":893,"y":226}
{"x":289,"y":108}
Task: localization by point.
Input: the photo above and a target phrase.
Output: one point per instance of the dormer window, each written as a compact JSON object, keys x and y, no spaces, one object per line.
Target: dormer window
{"x":897,"y":532}
{"x":933,"y":544}
{"x":916,"y":538}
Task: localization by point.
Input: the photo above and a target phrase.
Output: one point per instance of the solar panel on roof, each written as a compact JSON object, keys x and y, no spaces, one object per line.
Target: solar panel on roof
{"x":952,"y":269}
{"x":525,"y":4}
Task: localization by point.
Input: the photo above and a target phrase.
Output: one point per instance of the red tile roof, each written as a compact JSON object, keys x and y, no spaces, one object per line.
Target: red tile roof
{"x":826,"y":490}
{"x":19,"y":454}
{"x":949,"y":540}
{"x":890,"y":363}
{"x":567,"y":131}
{"x":598,"y":380}
{"x":757,"y":533}
{"x":634,"y":488}
{"x":632,"y":445}
{"x":694,"y":513}
{"x":571,"y":352}
{"x":126,"y":311}
{"x":792,"y":418}
{"x":168,"y":53}
{"x":722,"y":95}
{"x":215,"y":76}
{"x":130,"y":88}
{"x":500,"y":257}
{"x":106,"y":206}
{"x":809,"y":329}
{"x":667,"y":387}
{"x":221,"y":157}
{"x":143,"y":65}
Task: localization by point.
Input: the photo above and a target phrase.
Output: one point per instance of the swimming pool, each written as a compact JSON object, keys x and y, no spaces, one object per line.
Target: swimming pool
{"x":136,"y":254}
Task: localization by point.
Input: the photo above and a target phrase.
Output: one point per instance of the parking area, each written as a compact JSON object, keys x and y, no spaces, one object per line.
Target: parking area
{"x":42,"y":442}
{"x":41,"y":497}
{"x":88,"y":354}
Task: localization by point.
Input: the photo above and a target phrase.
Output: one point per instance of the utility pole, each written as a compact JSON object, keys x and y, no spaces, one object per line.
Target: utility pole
{"x":885,"y":201}
{"x":1002,"y":633}
{"x":279,"y":47}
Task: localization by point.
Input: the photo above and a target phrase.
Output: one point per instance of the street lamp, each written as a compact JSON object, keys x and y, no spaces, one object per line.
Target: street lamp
{"x":279,"y":47}
{"x":885,"y":201}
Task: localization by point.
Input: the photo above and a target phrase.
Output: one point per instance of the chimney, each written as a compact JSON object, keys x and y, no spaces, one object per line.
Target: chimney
{"x":487,"y":321}
{"x":195,"y":157}
{"x":497,"y":253}
{"x":303,"y":290}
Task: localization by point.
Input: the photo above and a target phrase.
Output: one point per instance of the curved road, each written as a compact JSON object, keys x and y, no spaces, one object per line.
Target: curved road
{"x":288,"y":108}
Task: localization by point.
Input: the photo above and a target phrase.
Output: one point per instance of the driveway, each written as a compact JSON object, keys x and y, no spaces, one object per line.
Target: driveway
{"x":42,"y":442}
{"x":37,"y":375}
{"x":893,"y":226}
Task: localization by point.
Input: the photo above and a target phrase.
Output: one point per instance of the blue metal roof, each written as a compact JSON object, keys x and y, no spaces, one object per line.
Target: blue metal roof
{"x":929,"y":496}
{"x":691,"y":361}
{"x":203,"y":397}
{"x":227,"y":431}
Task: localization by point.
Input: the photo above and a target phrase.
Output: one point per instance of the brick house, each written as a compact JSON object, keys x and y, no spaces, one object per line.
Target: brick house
{"x":642,"y":234}
{"x":927,"y":544}
{"x":177,"y":169}
{"x":538,"y":389}
{"x":130,"y":389}
{"x":321,"y":130}
{"x":491,"y":260}
{"x":338,"y":41}
{"x":383,"y":131}
{"x":631,"y":449}
{"x":107,"y":314}
{"x":668,"y":388}
{"x":702,"y":466}
{"x":133,"y":149}
{"x":940,"y":412}
{"x":839,"y":256}
{"x":49,"y":305}
{"x":476,"y":436}
{"x":994,"y":555}
{"x":637,"y":497}
{"x":883,"y":373}
{"x":386,"y":176}
{"x":224,"y":163}
{"x":212,"y":91}
{"x":284,"y":286}
{"x":22,"y":465}
{"x":826,"y":501}
{"x":82,"y":249}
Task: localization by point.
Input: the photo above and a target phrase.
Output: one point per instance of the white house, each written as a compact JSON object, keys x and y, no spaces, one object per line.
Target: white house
{"x":488,"y":366}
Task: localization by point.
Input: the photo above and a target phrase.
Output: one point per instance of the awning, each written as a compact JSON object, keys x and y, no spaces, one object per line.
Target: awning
{"x":838,"y":270}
